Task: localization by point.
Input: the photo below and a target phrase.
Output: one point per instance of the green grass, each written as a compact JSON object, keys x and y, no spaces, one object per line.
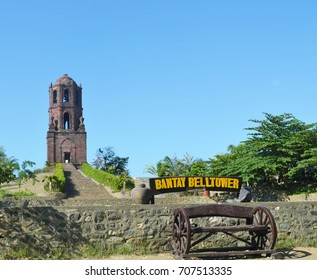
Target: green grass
{"x":23,"y":194}
{"x":85,"y":251}
{"x":18,"y":194}
{"x":284,"y":241}
{"x":26,"y":252}
{"x":2,"y":193}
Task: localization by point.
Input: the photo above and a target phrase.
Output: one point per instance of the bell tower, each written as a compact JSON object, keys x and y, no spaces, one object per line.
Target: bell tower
{"x":66,"y":136}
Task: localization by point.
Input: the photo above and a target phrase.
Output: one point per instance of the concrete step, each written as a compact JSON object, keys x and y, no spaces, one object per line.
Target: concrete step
{"x":79,"y":186}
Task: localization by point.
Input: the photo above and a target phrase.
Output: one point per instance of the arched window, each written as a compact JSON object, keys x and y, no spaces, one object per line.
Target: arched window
{"x":66,"y":96}
{"x":54,"y":96}
{"x":66,"y":121}
{"x":56,"y":124}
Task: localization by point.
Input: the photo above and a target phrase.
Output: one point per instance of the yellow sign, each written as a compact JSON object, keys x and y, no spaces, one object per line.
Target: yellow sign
{"x":213,"y":182}
{"x":167,"y":183}
{"x":171,"y":184}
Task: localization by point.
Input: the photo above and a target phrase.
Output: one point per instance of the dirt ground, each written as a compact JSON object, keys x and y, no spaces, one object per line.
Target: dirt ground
{"x":299,"y":253}
{"x":37,"y":188}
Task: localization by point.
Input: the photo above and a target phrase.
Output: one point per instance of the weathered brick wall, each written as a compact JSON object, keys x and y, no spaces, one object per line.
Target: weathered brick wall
{"x":110,"y":223}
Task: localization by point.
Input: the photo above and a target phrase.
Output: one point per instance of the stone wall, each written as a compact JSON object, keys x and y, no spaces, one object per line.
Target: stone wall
{"x":110,"y":223}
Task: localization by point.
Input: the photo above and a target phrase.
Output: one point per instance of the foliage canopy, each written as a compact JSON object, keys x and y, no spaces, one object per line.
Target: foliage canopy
{"x":9,"y":166}
{"x":108,"y":161}
{"x":279,"y":150}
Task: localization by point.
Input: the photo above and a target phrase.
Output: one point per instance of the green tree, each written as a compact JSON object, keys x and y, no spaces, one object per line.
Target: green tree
{"x":199,"y":168}
{"x":8,"y":166}
{"x":173,"y":166}
{"x":279,"y":149}
{"x":167,"y":167}
{"x":25,"y":173}
{"x":151,"y":169}
{"x":107,"y":160}
{"x":51,"y":181}
{"x":239,"y":161}
{"x":282,"y":142}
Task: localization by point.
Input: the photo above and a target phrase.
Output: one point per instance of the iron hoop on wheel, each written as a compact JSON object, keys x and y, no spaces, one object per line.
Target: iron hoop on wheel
{"x":264,"y":239}
{"x":181,"y":233}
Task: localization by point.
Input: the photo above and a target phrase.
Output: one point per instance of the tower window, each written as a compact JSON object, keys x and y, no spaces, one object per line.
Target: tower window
{"x":77,"y":98}
{"x":56,"y":124}
{"x":54,"y":96}
{"x":66,"y":121}
{"x":66,"y":96}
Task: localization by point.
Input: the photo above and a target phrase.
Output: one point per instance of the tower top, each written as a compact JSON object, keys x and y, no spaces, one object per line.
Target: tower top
{"x":65,"y":80}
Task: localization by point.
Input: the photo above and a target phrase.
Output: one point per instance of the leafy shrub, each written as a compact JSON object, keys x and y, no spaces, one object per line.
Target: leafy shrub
{"x":59,"y":173}
{"x":302,"y":188}
{"x":114,"y":182}
{"x":57,"y":181}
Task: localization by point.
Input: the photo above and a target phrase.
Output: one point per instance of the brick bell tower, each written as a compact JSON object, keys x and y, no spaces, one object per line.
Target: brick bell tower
{"x":66,"y":136}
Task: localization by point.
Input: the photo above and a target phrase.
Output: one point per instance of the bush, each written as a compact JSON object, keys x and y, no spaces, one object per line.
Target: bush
{"x":107,"y":179}
{"x":59,"y":173}
{"x":57,"y":180}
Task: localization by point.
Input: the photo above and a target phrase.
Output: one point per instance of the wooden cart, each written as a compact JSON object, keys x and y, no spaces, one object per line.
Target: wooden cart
{"x":256,"y":223}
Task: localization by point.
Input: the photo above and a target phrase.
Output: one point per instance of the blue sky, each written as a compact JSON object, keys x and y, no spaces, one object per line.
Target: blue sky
{"x":159,"y":77}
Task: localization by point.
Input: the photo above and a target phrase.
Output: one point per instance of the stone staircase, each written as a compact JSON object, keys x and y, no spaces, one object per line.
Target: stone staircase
{"x":79,"y":186}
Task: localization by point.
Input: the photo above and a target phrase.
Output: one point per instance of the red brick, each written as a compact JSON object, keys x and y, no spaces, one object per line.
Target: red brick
{"x":66,"y":136}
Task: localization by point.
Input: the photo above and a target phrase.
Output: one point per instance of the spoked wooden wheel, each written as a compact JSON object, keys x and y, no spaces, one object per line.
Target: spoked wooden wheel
{"x":263,"y":239}
{"x":181,"y":235}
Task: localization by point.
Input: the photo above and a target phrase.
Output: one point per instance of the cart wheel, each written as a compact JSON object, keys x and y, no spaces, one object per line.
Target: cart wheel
{"x":181,"y":235}
{"x":265,"y":239}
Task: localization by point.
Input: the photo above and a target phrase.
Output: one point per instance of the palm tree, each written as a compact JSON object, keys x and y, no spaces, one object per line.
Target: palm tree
{"x":171,"y":166}
{"x":188,"y":162}
{"x":175,"y":167}
{"x":51,"y":180}
{"x":151,"y":169}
